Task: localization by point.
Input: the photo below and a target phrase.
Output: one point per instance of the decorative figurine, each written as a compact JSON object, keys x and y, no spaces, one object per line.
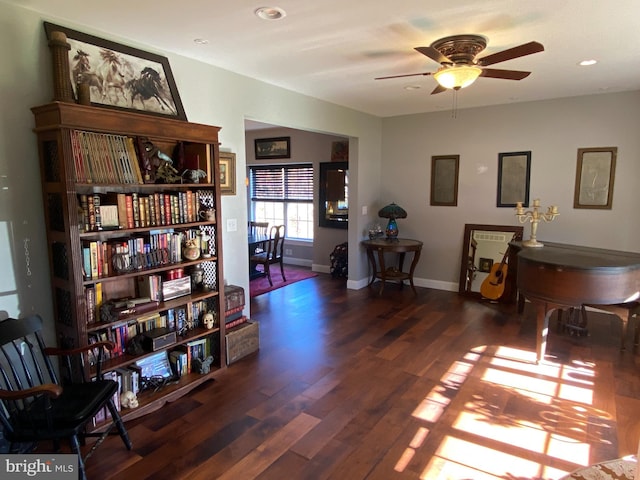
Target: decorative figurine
{"x":209,"y":320}
{"x":191,"y":250}
{"x":193,"y":176}
{"x":128,"y":399}
{"x":202,"y":366}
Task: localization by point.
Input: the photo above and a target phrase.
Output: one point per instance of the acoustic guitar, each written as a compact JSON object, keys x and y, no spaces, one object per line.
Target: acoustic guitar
{"x":493,"y":286}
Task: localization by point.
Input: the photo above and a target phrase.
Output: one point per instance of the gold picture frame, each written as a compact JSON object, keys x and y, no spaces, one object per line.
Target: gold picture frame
{"x":227,"y":173}
{"x":595,"y":174}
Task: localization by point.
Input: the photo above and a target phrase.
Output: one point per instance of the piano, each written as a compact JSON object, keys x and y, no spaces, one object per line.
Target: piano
{"x":559,"y":276}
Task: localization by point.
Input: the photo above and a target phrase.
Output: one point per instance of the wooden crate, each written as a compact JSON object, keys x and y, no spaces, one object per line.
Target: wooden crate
{"x":242,"y":340}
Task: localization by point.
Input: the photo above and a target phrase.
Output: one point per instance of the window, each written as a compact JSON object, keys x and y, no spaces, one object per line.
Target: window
{"x":283,"y":194}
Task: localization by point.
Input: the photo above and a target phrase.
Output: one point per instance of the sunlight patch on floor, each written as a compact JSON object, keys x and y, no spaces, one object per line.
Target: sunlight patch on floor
{"x":458,"y":459}
{"x":512,"y":405}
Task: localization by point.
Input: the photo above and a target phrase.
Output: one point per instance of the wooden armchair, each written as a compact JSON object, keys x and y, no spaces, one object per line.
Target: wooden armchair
{"x":273,"y":253}
{"x":36,"y":407}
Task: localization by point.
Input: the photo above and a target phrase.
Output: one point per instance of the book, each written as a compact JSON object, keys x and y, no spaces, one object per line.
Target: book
{"x":98,"y":300}
{"x":134,"y":163}
{"x":136,"y":210}
{"x":121,"y":206}
{"x":90,"y":299}
{"x":93,"y":248}
{"x":129,"y":207}
{"x":76,"y":150}
{"x":91,"y":213}
{"x":86,"y":261}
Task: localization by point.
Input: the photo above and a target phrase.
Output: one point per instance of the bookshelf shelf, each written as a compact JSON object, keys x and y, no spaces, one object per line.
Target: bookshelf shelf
{"x":91,"y":171}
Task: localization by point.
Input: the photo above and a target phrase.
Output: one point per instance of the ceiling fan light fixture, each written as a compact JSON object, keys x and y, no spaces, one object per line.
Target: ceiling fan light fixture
{"x":457,"y":76}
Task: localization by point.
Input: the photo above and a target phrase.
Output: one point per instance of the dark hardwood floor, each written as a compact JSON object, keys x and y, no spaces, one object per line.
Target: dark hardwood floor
{"x":349,"y":385}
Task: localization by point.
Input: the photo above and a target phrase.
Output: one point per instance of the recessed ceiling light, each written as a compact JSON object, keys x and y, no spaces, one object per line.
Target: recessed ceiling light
{"x":412,"y":87}
{"x":586,"y":63}
{"x":270,"y":13}
{"x":200,"y":41}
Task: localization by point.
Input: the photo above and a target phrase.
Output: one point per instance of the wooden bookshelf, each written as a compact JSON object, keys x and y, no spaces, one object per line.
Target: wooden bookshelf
{"x":63,"y":186}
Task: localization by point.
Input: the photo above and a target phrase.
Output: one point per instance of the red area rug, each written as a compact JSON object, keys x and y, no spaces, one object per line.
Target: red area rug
{"x":261,"y":285}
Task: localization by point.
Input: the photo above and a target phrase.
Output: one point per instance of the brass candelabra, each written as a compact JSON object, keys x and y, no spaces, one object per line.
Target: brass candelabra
{"x":534,"y":216}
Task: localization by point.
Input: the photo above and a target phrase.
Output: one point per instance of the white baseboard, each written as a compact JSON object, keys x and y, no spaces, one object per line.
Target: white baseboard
{"x":316,"y":267}
{"x":301,"y":262}
{"x":418,"y":282}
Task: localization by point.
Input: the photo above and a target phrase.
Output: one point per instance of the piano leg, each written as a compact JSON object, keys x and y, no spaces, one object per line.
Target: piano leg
{"x":543,"y":313}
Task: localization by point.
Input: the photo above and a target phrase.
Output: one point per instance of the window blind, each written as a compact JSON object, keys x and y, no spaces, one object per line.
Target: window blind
{"x":283,"y":182}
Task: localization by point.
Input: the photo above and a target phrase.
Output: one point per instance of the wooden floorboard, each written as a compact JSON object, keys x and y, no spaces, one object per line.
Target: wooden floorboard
{"x":351,"y":385}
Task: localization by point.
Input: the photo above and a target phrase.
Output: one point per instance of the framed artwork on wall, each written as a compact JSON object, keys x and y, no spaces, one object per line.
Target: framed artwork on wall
{"x":444,"y":180}
{"x":514,"y":170}
{"x":227,"y":173}
{"x":485,"y":264}
{"x":121,"y":77}
{"x":268,"y":148}
{"x":595,"y":173}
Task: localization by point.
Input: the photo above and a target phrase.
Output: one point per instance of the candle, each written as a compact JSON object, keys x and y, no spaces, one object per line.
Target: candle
{"x":536,"y":202}
{"x":554,"y":209}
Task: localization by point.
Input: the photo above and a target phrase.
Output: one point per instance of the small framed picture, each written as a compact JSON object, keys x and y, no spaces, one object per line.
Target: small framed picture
{"x":514,"y":170}
{"x":267,"y":148}
{"x":444,"y":180}
{"x":485,"y":264}
{"x":594,"y":178}
{"x":227,"y":173}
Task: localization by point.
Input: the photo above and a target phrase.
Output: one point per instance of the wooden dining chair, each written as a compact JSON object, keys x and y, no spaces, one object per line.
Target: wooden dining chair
{"x":626,"y":312}
{"x":258,"y":229}
{"x":273,"y":253}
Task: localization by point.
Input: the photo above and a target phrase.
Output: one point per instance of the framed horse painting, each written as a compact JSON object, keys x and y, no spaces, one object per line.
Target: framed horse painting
{"x":120,"y":77}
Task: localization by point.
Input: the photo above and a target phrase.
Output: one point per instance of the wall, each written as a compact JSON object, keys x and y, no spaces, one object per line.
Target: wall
{"x":306,"y":147}
{"x":553,"y":131}
{"x":210,"y":95}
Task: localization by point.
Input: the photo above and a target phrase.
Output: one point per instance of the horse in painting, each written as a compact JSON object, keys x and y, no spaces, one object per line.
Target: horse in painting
{"x":82,"y":72}
{"x":115,"y":71}
{"x":148,"y":86}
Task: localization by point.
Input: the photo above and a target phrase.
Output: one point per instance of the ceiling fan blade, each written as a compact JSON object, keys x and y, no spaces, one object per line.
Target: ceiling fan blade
{"x":433,"y":54}
{"x":515,"y":52}
{"x":505,"y":74}
{"x":405,"y":75}
{"x":439,"y":89}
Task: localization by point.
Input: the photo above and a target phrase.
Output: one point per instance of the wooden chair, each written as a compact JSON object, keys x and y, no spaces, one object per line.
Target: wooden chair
{"x":273,"y":253}
{"x":258,"y":229}
{"x":626,"y":312}
{"x":576,"y":320}
{"x":36,"y":407}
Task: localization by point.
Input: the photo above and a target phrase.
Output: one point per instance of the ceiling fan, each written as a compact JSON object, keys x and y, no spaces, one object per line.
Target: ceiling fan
{"x":459,"y":68}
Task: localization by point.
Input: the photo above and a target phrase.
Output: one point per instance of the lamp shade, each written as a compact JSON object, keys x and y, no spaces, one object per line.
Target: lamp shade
{"x":457,"y":76}
{"x":392,"y":211}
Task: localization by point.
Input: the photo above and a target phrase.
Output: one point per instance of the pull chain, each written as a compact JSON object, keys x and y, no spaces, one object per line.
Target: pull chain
{"x":454,"y":106}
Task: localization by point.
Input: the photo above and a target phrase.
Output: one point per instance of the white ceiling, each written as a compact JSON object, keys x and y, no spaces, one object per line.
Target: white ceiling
{"x":333,"y":50}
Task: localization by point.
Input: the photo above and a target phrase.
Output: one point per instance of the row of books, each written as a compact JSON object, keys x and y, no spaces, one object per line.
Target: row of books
{"x":133,"y":210}
{"x":173,"y":319}
{"x":162,"y":247}
{"x":104,"y":158}
{"x":181,"y":358}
